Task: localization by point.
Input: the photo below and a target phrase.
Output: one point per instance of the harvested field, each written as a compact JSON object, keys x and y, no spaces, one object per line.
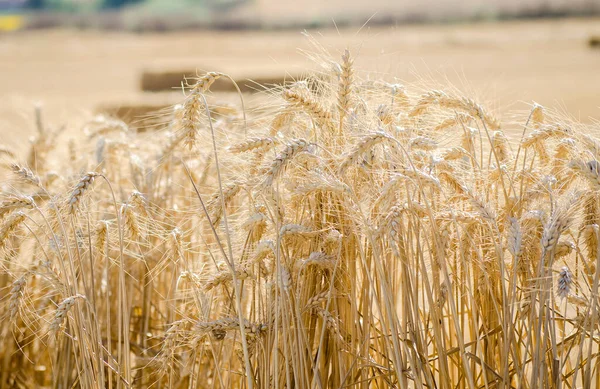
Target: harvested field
{"x":164,"y":80}
{"x":73,"y":73}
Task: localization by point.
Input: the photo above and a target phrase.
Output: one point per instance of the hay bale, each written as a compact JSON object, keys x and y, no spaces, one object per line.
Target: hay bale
{"x":259,"y":83}
{"x":139,"y":117}
{"x":594,"y":41}
{"x":144,"y":116}
{"x":161,"y":81}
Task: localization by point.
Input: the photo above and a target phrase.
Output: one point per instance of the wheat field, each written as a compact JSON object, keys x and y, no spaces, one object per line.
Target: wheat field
{"x":348,"y":233}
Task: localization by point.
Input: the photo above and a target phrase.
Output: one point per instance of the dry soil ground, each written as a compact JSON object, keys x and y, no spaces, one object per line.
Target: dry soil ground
{"x":509,"y":64}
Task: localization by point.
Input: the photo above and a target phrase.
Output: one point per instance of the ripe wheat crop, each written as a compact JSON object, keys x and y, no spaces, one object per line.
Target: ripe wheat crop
{"x":352,"y":234}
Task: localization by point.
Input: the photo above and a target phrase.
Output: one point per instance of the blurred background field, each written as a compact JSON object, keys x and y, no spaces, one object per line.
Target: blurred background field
{"x":81,"y":57}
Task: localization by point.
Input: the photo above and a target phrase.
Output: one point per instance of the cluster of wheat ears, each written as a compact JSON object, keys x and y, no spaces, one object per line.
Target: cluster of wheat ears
{"x":353,"y":234}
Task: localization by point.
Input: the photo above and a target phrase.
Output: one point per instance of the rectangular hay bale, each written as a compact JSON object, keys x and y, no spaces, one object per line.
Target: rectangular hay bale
{"x":161,"y":81}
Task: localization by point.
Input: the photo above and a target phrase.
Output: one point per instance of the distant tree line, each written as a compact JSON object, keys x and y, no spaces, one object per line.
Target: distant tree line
{"x":45,"y":4}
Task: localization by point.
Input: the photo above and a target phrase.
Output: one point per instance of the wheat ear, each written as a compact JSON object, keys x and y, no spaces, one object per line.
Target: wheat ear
{"x":253,"y":144}
{"x":565,"y":278}
{"x":280,"y":163}
{"x":61,"y":313}
{"x":590,"y":170}
{"x":309,"y":105}
{"x":79,"y":191}
{"x":9,"y":227}
{"x":365,"y":144}
{"x":16,"y":294}
{"x":345,"y":84}
{"x":25,"y":174}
